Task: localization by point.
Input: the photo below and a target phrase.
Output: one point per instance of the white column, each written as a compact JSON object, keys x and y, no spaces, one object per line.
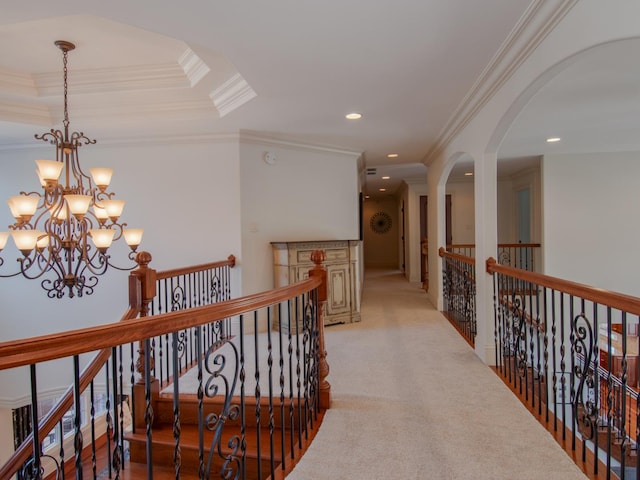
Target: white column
{"x":486,"y":238}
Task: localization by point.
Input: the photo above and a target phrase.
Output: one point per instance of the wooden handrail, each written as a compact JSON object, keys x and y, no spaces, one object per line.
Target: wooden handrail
{"x":619,"y":301}
{"x":176,"y":272}
{"x":500,"y":245}
{"x":455,"y":256}
{"x":60,"y":345}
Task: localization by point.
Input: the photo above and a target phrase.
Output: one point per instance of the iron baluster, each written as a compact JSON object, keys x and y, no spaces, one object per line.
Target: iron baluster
{"x":148,"y":414}
{"x":118,"y":454}
{"x":282,"y":386}
{"x":200,"y":395}
{"x":92,"y":413}
{"x":77,"y":441}
{"x":257,"y":392}
{"x":219,"y":379}
{"x":62,"y":471}
{"x":270,"y":377}
{"x":34,"y":470}
{"x":290,"y":355}
{"x":177,"y":456}
{"x":108,"y":418}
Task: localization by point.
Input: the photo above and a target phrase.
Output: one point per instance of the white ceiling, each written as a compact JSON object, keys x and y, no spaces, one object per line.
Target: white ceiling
{"x":287,"y":69}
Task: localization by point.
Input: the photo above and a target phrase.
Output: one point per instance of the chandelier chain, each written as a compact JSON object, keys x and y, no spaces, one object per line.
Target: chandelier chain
{"x":65,"y":54}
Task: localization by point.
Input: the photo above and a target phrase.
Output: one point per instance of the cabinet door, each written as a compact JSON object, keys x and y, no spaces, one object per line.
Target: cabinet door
{"x":339,"y":292}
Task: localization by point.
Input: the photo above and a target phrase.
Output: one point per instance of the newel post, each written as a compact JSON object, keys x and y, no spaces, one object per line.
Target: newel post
{"x":142,"y":290}
{"x":317,"y":257}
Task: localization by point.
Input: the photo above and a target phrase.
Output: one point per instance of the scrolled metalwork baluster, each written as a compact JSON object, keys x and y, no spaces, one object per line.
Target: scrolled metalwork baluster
{"x":30,"y":471}
{"x":223,"y":382}
{"x":178,"y":298}
{"x":177,"y":430}
{"x":518,"y":313}
{"x":92,"y":414}
{"x":583,"y":350}
{"x":504,"y":257}
{"x":215,"y":289}
{"x":77,"y":439}
{"x":447,"y":284}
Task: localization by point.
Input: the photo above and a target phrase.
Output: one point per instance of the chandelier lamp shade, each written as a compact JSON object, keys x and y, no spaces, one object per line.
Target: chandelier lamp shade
{"x":64,"y":231}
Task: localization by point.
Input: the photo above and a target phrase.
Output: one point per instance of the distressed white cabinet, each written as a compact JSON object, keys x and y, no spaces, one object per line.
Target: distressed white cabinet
{"x":292,"y":262}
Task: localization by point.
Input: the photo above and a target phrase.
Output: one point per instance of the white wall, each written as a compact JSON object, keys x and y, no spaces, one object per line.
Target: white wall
{"x":307,"y":194}
{"x":462,"y":211}
{"x":508,"y":187}
{"x":590,"y":229}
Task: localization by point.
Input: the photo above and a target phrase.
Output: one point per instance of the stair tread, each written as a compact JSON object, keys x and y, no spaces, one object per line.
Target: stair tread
{"x":163,"y":435}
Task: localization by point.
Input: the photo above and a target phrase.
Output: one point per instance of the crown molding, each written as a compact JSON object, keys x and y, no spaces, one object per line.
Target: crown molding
{"x":232,"y":94}
{"x":265,"y":139}
{"x":16,"y":83}
{"x":541,"y":17}
{"x":193,"y":66}
{"x":105,"y":80}
{"x":24,"y":112}
{"x":140,"y":141}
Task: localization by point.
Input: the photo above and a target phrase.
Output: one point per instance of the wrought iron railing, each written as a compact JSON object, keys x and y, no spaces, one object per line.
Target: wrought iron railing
{"x":459,"y":293}
{"x":181,"y":289}
{"x":248,"y":381}
{"x":518,"y":255}
{"x":571,"y":351}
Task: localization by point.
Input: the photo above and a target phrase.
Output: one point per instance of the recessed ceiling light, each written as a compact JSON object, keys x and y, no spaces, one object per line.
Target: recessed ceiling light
{"x":553,"y":139}
{"x":383,"y":189}
{"x":468,"y":174}
{"x":392,"y":155}
{"x":386,"y":178}
{"x":353,"y":116}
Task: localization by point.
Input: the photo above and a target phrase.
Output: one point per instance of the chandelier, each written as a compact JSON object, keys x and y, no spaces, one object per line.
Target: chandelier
{"x":65,"y":230}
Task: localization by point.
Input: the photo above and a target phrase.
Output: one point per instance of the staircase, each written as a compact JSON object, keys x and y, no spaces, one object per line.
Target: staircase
{"x":253,"y":410}
{"x":269,"y":437}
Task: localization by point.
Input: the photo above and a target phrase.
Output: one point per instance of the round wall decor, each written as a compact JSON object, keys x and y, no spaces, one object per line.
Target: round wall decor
{"x":380,"y":222}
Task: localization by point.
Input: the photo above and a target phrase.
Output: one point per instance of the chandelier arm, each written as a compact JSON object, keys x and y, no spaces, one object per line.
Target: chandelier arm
{"x":76,"y":141}
{"x":30,"y":262}
{"x":125,"y":269}
{"x":96,"y":269}
{"x":19,"y":272}
{"x":54,"y":137}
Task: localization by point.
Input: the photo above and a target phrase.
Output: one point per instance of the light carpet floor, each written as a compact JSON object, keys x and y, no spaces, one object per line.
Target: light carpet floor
{"x":412,"y":401}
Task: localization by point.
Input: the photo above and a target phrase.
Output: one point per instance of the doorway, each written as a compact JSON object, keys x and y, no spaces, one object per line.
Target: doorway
{"x":424,"y":236}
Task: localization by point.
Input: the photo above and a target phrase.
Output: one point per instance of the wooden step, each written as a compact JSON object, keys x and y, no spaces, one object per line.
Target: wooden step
{"x":289,"y":411}
{"x":164,"y":445}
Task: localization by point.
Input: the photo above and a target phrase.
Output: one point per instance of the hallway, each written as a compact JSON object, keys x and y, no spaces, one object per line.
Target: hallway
{"x":412,"y":401}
